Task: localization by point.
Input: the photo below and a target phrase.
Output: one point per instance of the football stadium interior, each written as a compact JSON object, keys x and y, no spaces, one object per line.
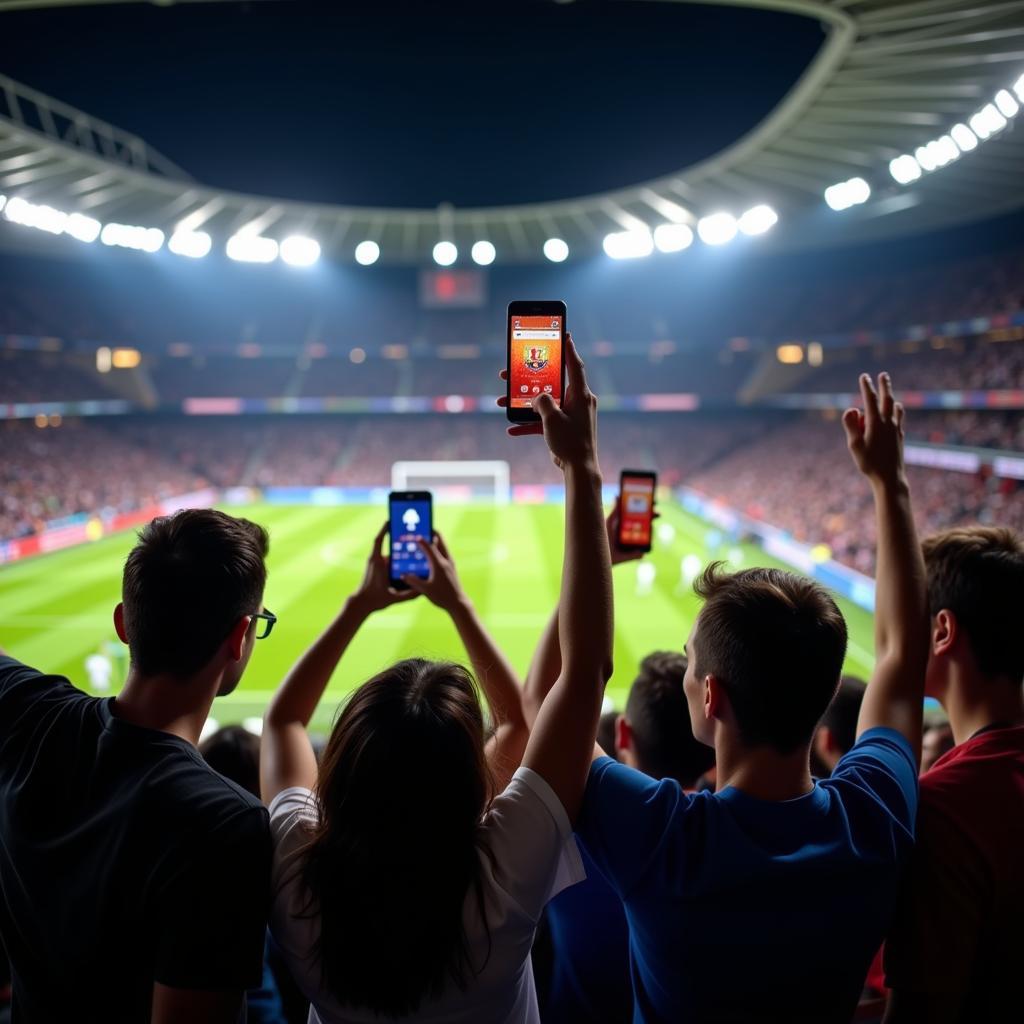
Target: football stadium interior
{"x":175,"y":330}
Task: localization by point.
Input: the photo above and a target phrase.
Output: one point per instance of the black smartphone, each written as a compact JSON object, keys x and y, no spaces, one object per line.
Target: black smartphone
{"x":410,"y":514}
{"x":536,"y":363}
{"x":636,"y":509}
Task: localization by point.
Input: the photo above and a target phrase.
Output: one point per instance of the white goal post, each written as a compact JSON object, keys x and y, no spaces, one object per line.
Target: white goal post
{"x":489,"y":480}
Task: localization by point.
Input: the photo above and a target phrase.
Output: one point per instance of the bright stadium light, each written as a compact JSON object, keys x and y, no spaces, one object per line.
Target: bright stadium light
{"x":987,"y":121}
{"x":483,"y":253}
{"x":926,"y":158}
{"x":445,"y":254}
{"x":963,"y":137}
{"x":673,"y":237}
{"x":367,"y":253}
{"x":132,"y":236}
{"x":845,"y":194}
{"x":556,"y":250}
{"x":194,"y":244}
{"x":85,"y":229}
{"x":717,"y":228}
{"x":628,"y":245}
{"x":947,"y":149}
{"x":1006,"y":103}
{"x":758,"y":219}
{"x":251,"y":249}
{"x":3,"y":201}
{"x":299,"y":251}
{"x":29,"y":215}
{"x":905,"y":169}
{"x":1018,"y":88}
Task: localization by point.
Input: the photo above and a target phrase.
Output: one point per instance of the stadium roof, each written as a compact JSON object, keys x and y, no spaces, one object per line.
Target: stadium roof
{"x":891,"y":76}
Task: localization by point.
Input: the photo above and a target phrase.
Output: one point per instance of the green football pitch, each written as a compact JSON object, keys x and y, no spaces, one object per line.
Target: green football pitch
{"x":55,"y":610}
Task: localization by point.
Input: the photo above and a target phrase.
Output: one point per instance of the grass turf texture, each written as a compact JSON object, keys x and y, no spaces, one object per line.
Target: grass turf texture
{"x":55,"y":610}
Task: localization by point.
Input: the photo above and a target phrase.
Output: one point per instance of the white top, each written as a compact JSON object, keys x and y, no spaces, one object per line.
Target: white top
{"x":533,"y":857}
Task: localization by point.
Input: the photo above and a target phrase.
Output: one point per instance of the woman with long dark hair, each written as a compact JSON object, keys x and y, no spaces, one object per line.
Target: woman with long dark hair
{"x":411,"y":867}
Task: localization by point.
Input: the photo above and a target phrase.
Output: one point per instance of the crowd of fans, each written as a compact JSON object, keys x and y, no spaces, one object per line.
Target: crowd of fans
{"x":792,"y":478}
{"x":123,"y":463}
{"x":459,"y":850}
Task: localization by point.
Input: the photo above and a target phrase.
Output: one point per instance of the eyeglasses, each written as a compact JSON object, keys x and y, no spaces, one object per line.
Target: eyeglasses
{"x":269,"y":618}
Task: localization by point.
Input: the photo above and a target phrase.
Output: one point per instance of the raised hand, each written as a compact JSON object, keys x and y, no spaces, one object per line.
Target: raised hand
{"x":375,"y":592}
{"x":442,"y":587}
{"x":611,"y":524}
{"x":570,"y":431}
{"x":875,"y":436}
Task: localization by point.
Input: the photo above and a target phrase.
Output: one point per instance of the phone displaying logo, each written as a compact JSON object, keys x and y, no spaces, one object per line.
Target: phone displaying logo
{"x":535,"y":359}
{"x":410,"y":520}
{"x":636,"y":509}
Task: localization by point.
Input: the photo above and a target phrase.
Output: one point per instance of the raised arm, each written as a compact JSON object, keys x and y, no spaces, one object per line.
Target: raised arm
{"x":493,"y":672}
{"x":286,"y":753}
{"x":562,"y":743}
{"x":895,"y":695}
{"x":547,"y":658}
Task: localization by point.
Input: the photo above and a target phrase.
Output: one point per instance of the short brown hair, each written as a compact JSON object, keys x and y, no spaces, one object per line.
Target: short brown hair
{"x":187,"y":581}
{"x":659,"y":719}
{"x":776,"y":641}
{"x":977,"y":573}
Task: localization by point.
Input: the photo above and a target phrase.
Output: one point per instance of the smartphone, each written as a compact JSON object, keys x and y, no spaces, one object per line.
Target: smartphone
{"x":636,"y":509}
{"x":410,"y":514}
{"x":536,"y":346}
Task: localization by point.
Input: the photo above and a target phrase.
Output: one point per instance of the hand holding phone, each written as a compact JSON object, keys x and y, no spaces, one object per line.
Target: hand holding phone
{"x":410,"y":518}
{"x":535,"y":364}
{"x":636,"y":510}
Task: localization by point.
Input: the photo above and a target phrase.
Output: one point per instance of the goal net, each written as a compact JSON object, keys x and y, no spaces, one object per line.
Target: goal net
{"x":455,"y":481}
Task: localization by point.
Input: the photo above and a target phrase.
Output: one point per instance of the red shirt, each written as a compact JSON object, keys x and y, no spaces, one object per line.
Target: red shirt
{"x":959,"y":929}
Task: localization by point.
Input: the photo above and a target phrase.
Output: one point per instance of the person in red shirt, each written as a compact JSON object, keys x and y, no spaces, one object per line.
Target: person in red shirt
{"x":957,"y":944}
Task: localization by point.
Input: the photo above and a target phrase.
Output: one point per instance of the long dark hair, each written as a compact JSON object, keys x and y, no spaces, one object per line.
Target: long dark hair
{"x":402,"y":787}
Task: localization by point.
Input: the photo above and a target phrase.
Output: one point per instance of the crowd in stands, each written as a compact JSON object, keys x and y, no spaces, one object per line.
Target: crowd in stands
{"x":692,"y":867}
{"x":958,"y":365}
{"x":791,"y":478}
{"x":122,"y":463}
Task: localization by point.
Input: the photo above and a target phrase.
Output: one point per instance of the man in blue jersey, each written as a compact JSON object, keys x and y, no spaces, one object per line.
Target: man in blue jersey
{"x":767,"y":899}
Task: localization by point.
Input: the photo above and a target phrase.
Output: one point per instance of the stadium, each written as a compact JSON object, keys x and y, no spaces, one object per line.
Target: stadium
{"x":233,"y":292}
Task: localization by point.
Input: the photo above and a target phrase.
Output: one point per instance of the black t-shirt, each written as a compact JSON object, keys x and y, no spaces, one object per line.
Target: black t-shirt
{"x":124,"y":859}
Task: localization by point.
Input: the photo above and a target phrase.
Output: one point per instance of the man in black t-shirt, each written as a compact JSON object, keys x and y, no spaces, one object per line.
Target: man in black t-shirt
{"x":133,"y":878}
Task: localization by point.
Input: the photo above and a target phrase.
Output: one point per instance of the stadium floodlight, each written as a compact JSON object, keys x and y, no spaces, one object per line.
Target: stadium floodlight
{"x":556,"y":250}
{"x":445,"y":254}
{"x":845,"y":194}
{"x":300,"y":251}
{"x":905,"y":169}
{"x":194,"y":244}
{"x":1006,"y":103}
{"x":673,"y":237}
{"x":629,"y":245}
{"x":926,"y":158}
{"x":758,"y":219}
{"x":251,"y":249}
{"x":987,"y":121}
{"x":367,"y":253}
{"x":483,"y":253}
{"x":717,"y":228}
{"x":31,"y":215}
{"x":1018,"y":88}
{"x":85,"y":229}
{"x":132,"y":236}
{"x":965,"y":139}
{"x":3,"y":201}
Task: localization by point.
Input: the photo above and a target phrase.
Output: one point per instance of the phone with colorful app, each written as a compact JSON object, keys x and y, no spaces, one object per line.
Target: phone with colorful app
{"x":536,"y":344}
{"x":636,"y":509}
{"x":410,"y":514}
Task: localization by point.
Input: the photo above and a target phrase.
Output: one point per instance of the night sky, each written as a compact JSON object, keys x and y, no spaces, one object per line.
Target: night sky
{"x":401,"y":104}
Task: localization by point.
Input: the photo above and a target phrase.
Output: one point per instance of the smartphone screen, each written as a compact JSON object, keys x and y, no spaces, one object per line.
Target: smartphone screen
{"x":410,"y":518}
{"x":535,"y":358}
{"x":636,"y":511}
